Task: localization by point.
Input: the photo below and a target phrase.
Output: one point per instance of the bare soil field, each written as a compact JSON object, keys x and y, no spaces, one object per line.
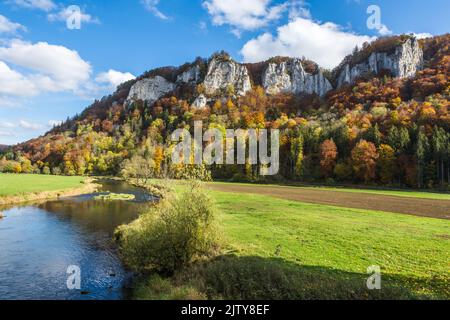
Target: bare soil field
{"x":413,"y":206}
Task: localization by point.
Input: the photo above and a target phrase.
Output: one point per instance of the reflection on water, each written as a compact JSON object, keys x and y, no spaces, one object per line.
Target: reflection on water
{"x":39,"y":242}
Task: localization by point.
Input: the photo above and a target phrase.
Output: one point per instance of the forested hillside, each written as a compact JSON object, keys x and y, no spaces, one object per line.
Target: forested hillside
{"x":378,"y":130}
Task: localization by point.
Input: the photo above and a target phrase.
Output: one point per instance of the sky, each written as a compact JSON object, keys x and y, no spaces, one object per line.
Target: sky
{"x":52,"y":67}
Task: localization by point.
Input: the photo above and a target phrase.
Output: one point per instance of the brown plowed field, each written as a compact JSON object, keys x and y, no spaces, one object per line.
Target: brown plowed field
{"x":412,"y":206}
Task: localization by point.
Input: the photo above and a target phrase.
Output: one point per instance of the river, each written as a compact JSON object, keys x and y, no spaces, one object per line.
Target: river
{"x":39,"y":243}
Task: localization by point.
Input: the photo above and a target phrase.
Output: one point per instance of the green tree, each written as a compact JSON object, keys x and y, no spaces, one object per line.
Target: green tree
{"x":439,"y":142}
{"x":374,"y":135}
{"x":297,"y":155}
{"x":398,"y":139}
{"x":422,"y":147}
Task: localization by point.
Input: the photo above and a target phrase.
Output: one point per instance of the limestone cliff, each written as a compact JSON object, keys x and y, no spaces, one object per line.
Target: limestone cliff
{"x":290,"y":76}
{"x":223,"y":73}
{"x":150,"y":89}
{"x":402,"y":61}
{"x":192,"y":75}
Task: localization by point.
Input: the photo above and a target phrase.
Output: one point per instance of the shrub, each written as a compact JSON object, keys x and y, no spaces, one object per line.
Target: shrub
{"x":343,"y":171}
{"x":7,"y":166}
{"x":46,"y":170}
{"x":56,"y":171}
{"x":190,"y":172}
{"x":172,"y":234}
{"x":138,"y":168}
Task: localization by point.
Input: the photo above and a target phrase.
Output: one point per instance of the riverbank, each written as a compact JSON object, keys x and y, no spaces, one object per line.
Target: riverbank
{"x":20,"y":188}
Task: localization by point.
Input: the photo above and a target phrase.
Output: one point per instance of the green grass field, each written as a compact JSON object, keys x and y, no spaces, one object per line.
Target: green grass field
{"x":386,"y":192}
{"x":19,"y":184}
{"x":280,"y":249}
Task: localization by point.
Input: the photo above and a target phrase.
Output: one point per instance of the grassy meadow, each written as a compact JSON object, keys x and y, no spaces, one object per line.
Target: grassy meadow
{"x":281,"y":249}
{"x":19,"y":184}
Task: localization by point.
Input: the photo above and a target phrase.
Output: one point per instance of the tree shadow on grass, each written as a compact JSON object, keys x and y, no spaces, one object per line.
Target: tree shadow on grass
{"x":257,"y":278}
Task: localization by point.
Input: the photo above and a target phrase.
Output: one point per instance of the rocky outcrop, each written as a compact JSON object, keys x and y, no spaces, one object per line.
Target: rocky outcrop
{"x":192,"y":75}
{"x":150,"y":89}
{"x":282,"y":75}
{"x":403,"y":61}
{"x":225,"y":72}
{"x":290,"y":77}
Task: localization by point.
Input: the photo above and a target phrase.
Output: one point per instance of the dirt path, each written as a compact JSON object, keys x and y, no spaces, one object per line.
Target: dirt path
{"x":413,"y":206}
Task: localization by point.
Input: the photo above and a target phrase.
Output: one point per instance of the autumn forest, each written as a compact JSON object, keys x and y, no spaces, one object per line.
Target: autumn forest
{"x":378,"y":131}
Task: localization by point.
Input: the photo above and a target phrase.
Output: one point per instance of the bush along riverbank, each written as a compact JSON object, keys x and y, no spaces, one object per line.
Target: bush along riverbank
{"x":180,"y":230}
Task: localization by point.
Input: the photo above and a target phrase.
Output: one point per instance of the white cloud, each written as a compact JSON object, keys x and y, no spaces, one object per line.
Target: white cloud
{"x":243,"y":15}
{"x":30,"y":125}
{"x":114,"y":78}
{"x":66,"y":13}
{"x":297,"y":9}
{"x":45,"y":5}
{"x":14,"y":83}
{"x":49,"y":68}
{"x":151,"y":5}
{"x":325,"y":43}
{"x":7,"y":26}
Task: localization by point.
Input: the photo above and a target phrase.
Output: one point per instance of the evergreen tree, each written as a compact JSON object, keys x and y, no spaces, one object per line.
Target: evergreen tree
{"x":439,"y":143}
{"x":421,"y":151}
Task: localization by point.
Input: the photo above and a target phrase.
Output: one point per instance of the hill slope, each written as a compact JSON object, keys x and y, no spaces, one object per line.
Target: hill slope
{"x":380,"y":117}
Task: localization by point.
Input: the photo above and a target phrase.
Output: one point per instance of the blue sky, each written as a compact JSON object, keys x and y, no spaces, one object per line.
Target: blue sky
{"x":49,"y":72}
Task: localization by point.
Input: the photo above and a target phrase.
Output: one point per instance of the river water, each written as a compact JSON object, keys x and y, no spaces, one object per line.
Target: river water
{"x":39,"y":242}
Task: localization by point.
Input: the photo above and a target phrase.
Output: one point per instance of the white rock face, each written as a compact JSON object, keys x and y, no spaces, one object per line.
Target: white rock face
{"x":404,"y":62}
{"x":290,"y":77}
{"x":222,"y":74}
{"x":150,"y":89}
{"x":190,"y":76}
{"x":200,"y":102}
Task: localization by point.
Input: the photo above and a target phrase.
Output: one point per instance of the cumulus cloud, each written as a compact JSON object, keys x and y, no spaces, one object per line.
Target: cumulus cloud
{"x":49,"y":67}
{"x":243,"y":15}
{"x":325,"y":43}
{"x":114,"y":78}
{"x":14,"y":83}
{"x":44,"y":5}
{"x":7,"y":26}
{"x":151,"y":5}
{"x":66,"y":13}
